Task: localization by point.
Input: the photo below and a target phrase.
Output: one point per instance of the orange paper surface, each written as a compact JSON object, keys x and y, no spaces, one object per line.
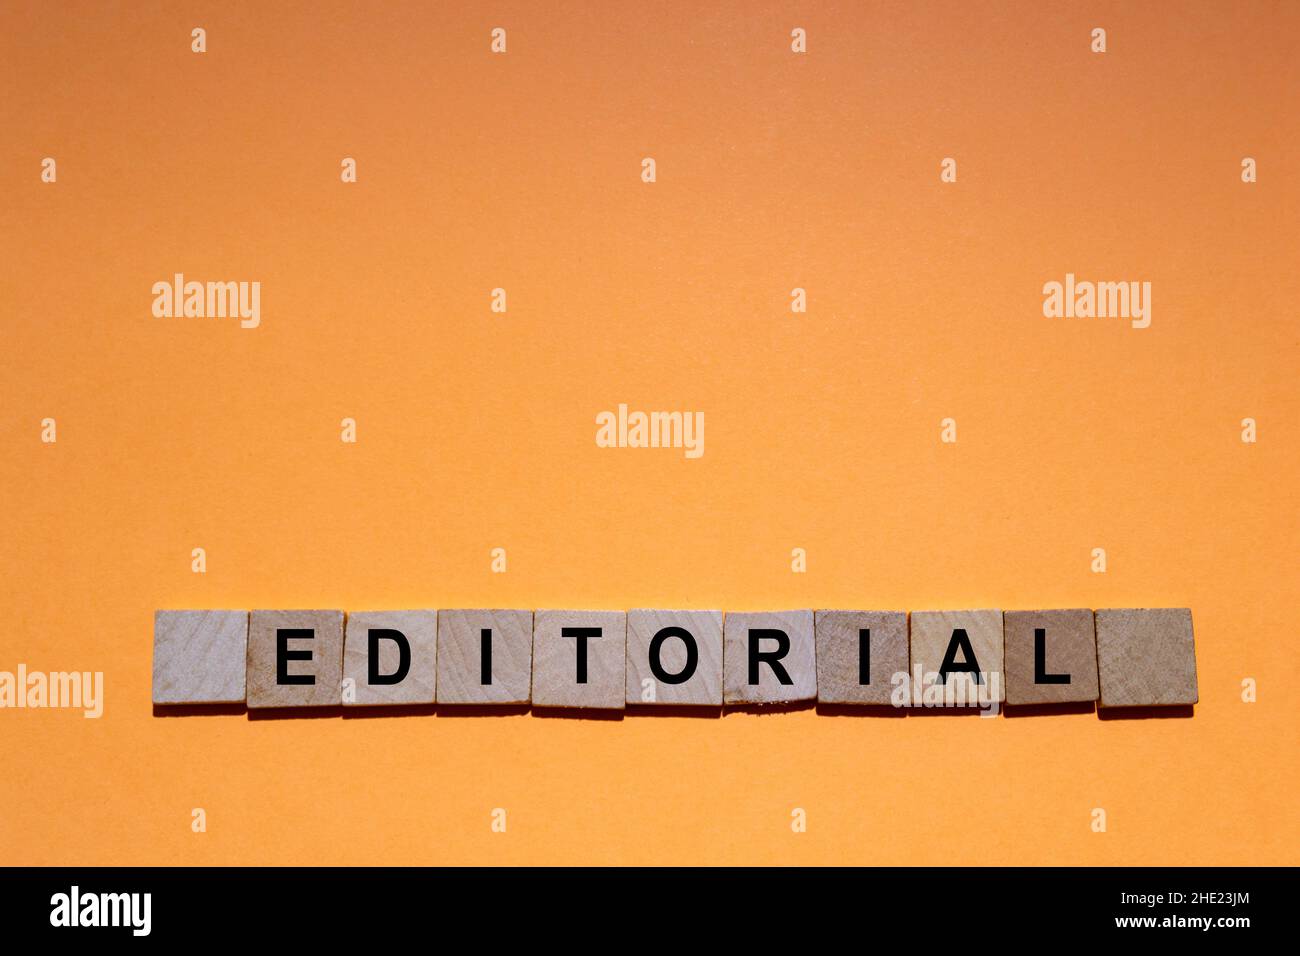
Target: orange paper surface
{"x":476,"y":430}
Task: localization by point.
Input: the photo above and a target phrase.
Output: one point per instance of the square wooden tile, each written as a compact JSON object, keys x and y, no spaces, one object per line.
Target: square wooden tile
{"x":1066,"y":671}
{"x":312,"y":664}
{"x":687,"y":650}
{"x":852,"y":645}
{"x":1146,"y":657}
{"x":750,"y":677}
{"x":405,"y":645}
{"x":566,"y":676}
{"x":936,"y":634}
{"x":467,"y":674}
{"x":199,"y":657}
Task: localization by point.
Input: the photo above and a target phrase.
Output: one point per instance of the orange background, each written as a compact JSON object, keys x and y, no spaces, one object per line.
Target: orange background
{"x":476,"y":430}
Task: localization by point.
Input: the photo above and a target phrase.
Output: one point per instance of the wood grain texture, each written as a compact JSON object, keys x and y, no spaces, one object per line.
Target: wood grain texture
{"x":460,"y":656}
{"x":799,"y":662}
{"x":419,"y":686}
{"x":325,"y":667}
{"x":838,"y":655}
{"x":1070,"y":649}
{"x":932,"y":633}
{"x":555,"y":660}
{"x":199,"y":657}
{"x":703,"y":687}
{"x":1146,"y":657}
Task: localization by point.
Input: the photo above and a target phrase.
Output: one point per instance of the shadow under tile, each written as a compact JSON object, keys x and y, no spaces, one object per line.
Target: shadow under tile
{"x":784,"y":707}
{"x":483,"y":710}
{"x":860,"y":710}
{"x":967,"y":710}
{"x":369,"y":711}
{"x":1050,"y":710}
{"x":1179,"y":711}
{"x":577,"y":713}
{"x":197,"y":710}
{"x":295,"y":713}
{"x":707,"y":711}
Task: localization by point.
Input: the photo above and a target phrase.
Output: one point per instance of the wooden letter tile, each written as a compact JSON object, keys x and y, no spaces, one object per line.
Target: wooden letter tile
{"x":313,"y":661}
{"x":198,"y":657}
{"x":1064,"y":670}
{"x":961,"y":635}
{"x":463,"y":677}
{"x":852,"y":645}
{"x":585,"y":667}
{"x":1146,"y":657}
{"x":699,"y":648}
{"x":770,"y":657}
{"x":392,"y":632}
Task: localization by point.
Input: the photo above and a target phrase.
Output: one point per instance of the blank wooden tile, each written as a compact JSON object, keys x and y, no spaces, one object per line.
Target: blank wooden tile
{"x":1069,"y":651}
{"x":324,"y":668}
{"x":799,"y":662}
{"x":934,"y":632}
{"x":702,"y":686}
{"x":559,"y":680}
{"x":198,"y":657}
{"x":843,"y":649}
{"x":418,"y":685}
{"x":509,"y":658}
{"x":1146,"y":657}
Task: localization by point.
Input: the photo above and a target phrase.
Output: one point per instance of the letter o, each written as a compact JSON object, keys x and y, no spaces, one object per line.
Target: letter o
{"x":692,"y":655}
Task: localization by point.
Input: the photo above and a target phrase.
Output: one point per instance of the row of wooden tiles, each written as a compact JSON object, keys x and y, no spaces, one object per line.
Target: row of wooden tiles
{"x":1120,"y":657}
